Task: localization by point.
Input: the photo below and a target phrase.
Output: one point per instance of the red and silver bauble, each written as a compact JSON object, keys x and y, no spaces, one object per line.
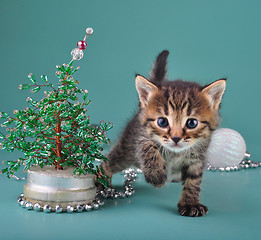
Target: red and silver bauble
{"x":82,"y":45}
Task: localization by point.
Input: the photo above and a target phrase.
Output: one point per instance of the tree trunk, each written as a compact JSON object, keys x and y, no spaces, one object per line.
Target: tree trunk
{"x":58,"y":141}
{"x":58,"y":147}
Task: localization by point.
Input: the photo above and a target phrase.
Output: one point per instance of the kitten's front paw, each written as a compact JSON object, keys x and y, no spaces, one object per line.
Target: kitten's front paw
{"x":194,"y":210}
{"x":157,"y":179}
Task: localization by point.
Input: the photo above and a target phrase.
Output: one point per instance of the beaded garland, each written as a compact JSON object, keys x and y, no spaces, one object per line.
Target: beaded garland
{"x":244,"y":164}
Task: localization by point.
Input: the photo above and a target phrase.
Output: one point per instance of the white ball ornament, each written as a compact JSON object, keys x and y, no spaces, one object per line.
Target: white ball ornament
{"x":77,"y":54}
{"x":227,"y":148}
{"x":89,"y":31}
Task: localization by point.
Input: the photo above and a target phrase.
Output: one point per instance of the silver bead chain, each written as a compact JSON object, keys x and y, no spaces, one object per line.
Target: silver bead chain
{"x":109,"y":193}
{"x":244,"y":164}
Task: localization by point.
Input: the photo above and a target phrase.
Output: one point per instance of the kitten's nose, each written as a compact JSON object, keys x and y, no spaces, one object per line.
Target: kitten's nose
{"x":176,"y":139}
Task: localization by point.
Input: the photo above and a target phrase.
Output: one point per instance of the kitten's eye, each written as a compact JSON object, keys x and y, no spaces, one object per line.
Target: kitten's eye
{"x":191,"y":123}
{"x":163,"y":122}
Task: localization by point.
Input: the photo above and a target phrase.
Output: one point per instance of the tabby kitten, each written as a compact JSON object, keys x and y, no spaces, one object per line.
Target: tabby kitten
{"x":169,"y":135}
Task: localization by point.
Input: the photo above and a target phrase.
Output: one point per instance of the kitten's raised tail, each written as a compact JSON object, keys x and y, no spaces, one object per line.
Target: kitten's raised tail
{"x":159,"y":69}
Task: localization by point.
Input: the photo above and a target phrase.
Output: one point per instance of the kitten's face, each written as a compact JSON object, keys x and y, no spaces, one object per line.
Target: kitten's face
{"x":180,"y":122}
{"x":179,"y":115}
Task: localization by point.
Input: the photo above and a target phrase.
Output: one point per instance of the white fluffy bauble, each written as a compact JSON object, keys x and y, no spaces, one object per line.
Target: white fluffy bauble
{"x":227,"y":148}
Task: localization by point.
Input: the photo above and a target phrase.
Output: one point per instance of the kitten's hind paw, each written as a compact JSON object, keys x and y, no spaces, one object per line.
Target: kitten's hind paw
{"x":156,"y":180}
{"x":194,"y":210}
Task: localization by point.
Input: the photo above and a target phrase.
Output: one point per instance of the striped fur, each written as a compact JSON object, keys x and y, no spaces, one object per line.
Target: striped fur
{"x":176,"y":152}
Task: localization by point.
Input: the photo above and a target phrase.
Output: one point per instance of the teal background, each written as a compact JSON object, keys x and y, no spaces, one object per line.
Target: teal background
{"x":207,"y":40}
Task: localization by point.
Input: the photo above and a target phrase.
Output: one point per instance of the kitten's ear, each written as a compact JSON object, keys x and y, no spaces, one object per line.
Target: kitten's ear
{"x":145,"y":89}
{"x":215,"y":91}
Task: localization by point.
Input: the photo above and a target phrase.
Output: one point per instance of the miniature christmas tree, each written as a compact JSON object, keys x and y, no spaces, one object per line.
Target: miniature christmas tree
{"x":56,"y":130}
